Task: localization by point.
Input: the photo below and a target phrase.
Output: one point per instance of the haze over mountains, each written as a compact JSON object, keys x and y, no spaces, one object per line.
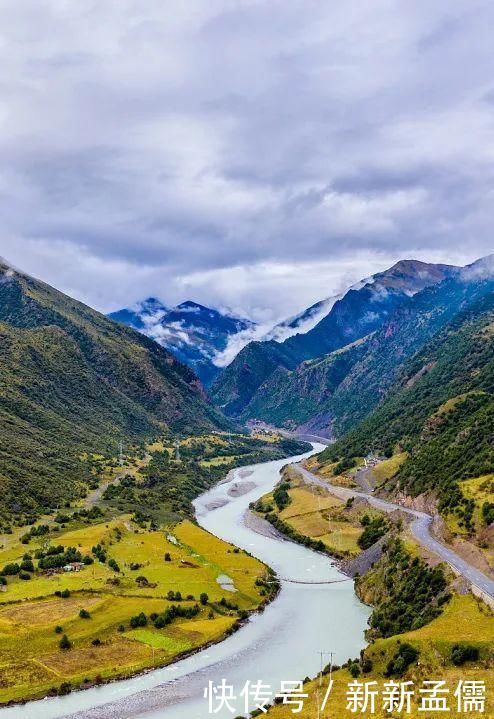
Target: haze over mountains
{"x":72,"y":378}
{"x":195,"y":334}
{"x":331,"y":378}
{"x":358,"y":313}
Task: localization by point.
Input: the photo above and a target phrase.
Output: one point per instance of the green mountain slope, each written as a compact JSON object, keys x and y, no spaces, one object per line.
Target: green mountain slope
{"x":440,"y":410}
{"x":239,"y":382}
{"x":333,"y":394}
{"x":290,"y":398}
{"x":244,"y":388}
{"x":73,"y":381}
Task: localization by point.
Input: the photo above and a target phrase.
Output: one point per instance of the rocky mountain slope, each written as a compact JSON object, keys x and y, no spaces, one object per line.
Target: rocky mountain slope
{"x":259,"y":373}
{"x":195,"y":334}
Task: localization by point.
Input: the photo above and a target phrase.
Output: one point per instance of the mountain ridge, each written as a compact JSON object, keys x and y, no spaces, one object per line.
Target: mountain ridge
{"x":194,"y":333}
{"x":359,"y":312}
{"x":74,"y":381}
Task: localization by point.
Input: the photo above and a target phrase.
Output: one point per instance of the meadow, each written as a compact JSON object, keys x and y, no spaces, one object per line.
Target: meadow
{"x":104,"y":643}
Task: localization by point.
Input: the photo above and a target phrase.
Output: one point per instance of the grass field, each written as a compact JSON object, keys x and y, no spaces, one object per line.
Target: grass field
{"x":105,"y":645}
{"x":315,"y":513}
{"x":387,"y":469}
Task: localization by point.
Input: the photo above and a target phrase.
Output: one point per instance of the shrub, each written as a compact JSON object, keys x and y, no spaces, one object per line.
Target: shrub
{"x":11,"y":569}
{"x":405,"y":656}
{"x":204,"y":599}
{"x":84,"y":614}
{"x":65,"y":643}
{"x":462,"y":653}
{"x":138,"y":621}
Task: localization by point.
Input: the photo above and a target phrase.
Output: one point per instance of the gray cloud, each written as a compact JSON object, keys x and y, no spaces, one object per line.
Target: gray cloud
{"x":259,"y":154}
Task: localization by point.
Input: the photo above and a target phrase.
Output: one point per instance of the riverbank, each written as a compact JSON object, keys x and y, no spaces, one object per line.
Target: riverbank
{"x":265,"y":647}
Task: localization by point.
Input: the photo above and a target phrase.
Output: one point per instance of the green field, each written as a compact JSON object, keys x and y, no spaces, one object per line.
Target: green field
{"x":105,"y":645}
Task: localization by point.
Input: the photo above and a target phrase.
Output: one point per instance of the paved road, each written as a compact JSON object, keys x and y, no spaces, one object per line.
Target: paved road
{"x":420,"y":528}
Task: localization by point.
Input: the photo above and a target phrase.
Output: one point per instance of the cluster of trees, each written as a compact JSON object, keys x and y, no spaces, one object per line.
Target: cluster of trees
{"x":281,"y":496}
{"x":399,"y":663}
{"x":374,"y":529}
{"x":166,"y":617}
{"x":407,"y":593}
{"x":60,"y":556}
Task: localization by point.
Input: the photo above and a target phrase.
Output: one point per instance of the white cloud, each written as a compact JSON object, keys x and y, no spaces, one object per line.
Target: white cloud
{"x":258,"y":154}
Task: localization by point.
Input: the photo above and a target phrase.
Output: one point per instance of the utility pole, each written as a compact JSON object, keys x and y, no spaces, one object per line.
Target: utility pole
{"x":321,"y":707}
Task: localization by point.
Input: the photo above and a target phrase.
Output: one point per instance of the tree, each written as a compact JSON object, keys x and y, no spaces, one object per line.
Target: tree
{"x":204,"y":599}
{"x":65,"y":643}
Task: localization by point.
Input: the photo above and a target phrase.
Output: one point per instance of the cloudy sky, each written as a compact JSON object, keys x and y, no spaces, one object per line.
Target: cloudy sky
{"x":257,"y":154}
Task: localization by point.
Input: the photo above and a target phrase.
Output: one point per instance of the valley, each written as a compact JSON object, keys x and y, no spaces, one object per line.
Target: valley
{"x":119,"y":583}
{"x":144,"y":519}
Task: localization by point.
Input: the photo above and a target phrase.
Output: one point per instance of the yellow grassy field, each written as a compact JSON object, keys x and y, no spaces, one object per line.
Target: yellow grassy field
{"x":464,"y":619}
{"x":315,"y":513}
{"x":29,"y":611}
{"x":387,"y":469}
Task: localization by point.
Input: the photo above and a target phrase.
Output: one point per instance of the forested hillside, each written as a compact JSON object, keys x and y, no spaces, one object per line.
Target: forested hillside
{"x":73,"y":381}
{"x":440,"y":411}
{"x":257,"y":381}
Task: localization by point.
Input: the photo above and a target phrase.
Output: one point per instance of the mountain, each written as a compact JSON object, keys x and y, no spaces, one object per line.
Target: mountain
{"x":75,"y":382}
{"x":337,"y":391}
{"x":302,"y":322}
{"x":195,"y":334}
{"x":439,"y":408}
{"x":243,"y":388}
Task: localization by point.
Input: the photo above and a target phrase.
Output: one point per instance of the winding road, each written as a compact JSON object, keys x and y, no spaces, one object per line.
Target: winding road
{"x":420,"y":528}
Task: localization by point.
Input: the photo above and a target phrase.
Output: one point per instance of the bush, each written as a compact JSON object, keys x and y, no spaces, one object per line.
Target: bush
{"x":65,"y":643}
{"x":58,"y":629}
{"x":168,"y":557}
{"x":405,"y":656}
{"x":138,"y":621}
{"x":11,"y":569}
{"x":374,"y":530}
{"x":84,"y":614}
{"x":204,"y":599}
{"x":462,"y":653}
{"x":24,"y":575}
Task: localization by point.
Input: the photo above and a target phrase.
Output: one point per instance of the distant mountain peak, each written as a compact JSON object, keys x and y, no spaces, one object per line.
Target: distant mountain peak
{"x":194,"y":333}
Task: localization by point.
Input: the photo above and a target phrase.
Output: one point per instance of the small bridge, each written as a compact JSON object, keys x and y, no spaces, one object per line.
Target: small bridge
{"x":305,"y":581}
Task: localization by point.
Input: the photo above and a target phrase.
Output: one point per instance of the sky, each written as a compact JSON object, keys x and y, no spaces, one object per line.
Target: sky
{"x":251,"y":154}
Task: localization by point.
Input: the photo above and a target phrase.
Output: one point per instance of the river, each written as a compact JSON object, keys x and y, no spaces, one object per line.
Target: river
{"x":282,"y":643}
